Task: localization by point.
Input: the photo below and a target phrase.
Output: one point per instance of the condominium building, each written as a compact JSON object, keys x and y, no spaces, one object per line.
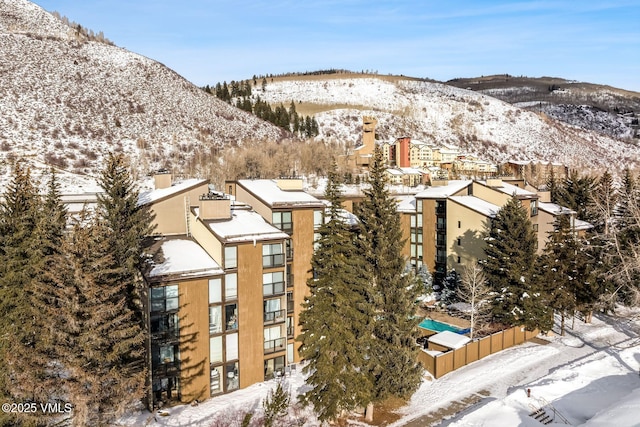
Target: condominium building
{"x":227,"y":272}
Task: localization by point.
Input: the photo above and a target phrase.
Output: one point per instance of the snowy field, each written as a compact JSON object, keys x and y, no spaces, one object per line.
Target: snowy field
{"x":589,"y":377}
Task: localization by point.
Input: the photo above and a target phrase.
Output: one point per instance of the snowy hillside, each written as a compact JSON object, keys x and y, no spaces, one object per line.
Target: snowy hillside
{"x":477,"y":123}
{"x":66,"y":101}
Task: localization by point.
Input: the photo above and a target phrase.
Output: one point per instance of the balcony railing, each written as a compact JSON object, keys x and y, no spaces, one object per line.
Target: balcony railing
{"x":275,"y":316}
{"x":271,"y":346}
{"x":289,"y":331}
{"x":289,"y":280}
{"x":274,"y":260}
{"x":166,"y":335}
{"x":275,"y":288}
{"x":166,"y":369}
{"x":289,"y":306}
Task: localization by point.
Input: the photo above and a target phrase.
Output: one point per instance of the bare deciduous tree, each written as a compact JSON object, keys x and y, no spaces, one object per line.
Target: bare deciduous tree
{"x":475,"y":291}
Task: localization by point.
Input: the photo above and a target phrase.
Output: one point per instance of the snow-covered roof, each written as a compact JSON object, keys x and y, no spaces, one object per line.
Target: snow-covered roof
{"x":244,"y":226}
{"x":582,"y":225}
{"x":411,"y":171}
{"x":449,"y":339}
{"x":155,"y":195}
{"x":554,"y":209}
{"x":477,"y":204}
{"x":511,"y":189}
{"x":442,"y":192}
{"x":393,"y":171}
{"x":268,"y":191}
{"x":406,"y":203}
{"x":185,"y":258}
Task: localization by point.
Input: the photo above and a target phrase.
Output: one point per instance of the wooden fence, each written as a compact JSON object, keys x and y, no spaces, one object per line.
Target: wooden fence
{"x":443,"y":363}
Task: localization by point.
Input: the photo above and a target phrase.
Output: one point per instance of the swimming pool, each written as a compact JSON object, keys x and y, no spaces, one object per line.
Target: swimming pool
{"x":434,"y":325}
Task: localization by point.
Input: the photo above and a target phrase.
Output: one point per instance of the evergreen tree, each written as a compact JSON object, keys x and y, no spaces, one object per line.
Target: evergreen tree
{"x":336,"y":323}
{"x":96,"y":335}
{"x":603,"y":203}
{"x":395,"y":291}
{"x":126,"y":224}
{"x":19,"y":217}
{"x":509,"y":266}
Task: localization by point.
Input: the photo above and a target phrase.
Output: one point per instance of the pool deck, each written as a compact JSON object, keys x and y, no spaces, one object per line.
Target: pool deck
{"x":441,"y":316}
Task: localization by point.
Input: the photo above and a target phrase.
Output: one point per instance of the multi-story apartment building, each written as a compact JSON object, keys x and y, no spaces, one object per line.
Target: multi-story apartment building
{"x":227,"y":273}
{"x":284,"y":205}
{"x":218,"y":286}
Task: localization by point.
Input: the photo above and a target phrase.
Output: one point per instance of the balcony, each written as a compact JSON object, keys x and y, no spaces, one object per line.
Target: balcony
{"x":290,"y":332}
{"x":170,"y":334}
{"x":276,"y":288}
{"x":274,"y":316}
{"x":271,"y":346}
{"x":167,"y":369}
{"x":274,"y":260}
{"x":290,"y":306}
{"x":289,"y":280}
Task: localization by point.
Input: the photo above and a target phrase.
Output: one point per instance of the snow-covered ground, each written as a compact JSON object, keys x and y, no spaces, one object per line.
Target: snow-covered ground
{"x":590,"y":377}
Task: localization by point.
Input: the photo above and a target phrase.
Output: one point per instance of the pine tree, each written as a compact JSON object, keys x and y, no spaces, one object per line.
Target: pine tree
{"x":96,"y":335}
{"x":19,"y":218}
{"x":395,"y":291}
{"x":30,"y":357}
{"x":127,"y":222}
{"x":336,"y":323}
{"x":509,"y":266}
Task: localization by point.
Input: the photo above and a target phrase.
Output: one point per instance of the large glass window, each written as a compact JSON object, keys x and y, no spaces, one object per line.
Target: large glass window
{"x":272,"y":255}
{"x":318,"y":219}
{"x":215,"y":319}
{"x":283,"y":221}
{"x":231,"y":316}
{"x":231,"y":257}
{"x":215,"y":291}
{"x":231,"y":343}
{"x":231,"y":286}
{"x":164,"y":298}
{"x":233,"y":376}
{"x":215,"y":349}
{"x":216,"y":380}
{"x":164,"y":325}
{"x":273,"y":367}
{"x":273,"y":283}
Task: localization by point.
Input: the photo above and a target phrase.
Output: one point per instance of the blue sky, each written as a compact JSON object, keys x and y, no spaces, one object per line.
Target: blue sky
{"x":224,"y":40}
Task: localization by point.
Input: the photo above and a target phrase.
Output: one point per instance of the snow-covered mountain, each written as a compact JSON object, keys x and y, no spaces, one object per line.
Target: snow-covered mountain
{"x":434,"y":112}
{"x":66,"y":100}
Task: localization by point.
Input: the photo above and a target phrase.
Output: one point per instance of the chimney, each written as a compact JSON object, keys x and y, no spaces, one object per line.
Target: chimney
{"x":214,"y":206}
{"x":162,"y":179}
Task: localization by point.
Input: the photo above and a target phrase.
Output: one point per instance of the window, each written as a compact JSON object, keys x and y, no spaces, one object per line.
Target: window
{"x":459,"y":224}
{"x":318,"y":219}
{"x":535,"y":227}
{"x":273,"y":367}
{"x":413,"y":221}
{"x":216,"y":380}
{"x":419,"y":220}
{"x":419,"y":205}
{"x":290,"y":302}
{"x":233,"y":376}
{"x":273,"y":283}
{"x":231,"y":342}
{"x":458,"y":260}
{"x":534,"y":207}
{"x":282,"y":220}
{"x":272,"y":311}
{"x":289,"y":249}
{"x":231,"y":257}
{"x":459,"y":241}
{"x":164,"y":298}
{"x":215,"y":319}
{"x":215,"y":349}
{"x":215,"y":291}
{"x":272,"y":255}
{"x":231,"y":316}
{"x":442,"y":224}
{"x":231,"y":286}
